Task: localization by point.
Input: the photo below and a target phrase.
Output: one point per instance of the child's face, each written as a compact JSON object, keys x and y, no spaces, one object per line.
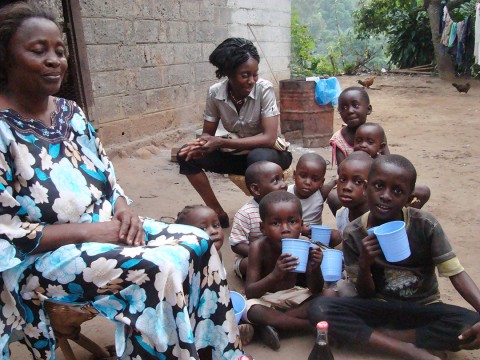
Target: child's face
{"x":352,"y":182}
{"x":283,"y":220}
{"x":270,"y":180}
{"x":353,"y":108}
{"x":207,"y":220}
{"x":368,"y":139}
{"x":309,"y":177}
{"x":388,"y":191}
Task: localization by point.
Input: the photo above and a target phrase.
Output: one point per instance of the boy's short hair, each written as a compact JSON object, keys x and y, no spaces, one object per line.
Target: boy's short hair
{"x":362,"y":91}
{"x":314,"y":157}
{"x":358,"y":156}
{"x":277,"y":197}
{"x":397,"y":160}
{"x":376,"y":126}
{"x":253,"y":172}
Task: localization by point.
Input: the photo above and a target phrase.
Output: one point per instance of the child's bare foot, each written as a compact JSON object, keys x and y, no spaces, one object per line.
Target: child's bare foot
{"x":246,"y":333}
{"x":269,"y":336}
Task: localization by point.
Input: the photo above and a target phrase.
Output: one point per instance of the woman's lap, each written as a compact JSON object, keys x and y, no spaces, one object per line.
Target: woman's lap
{"x":226,"y":163}
{"x":171,"y":292}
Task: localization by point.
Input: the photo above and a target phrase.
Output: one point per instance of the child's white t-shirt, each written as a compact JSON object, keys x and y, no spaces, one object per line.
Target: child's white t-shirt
{"x":312,"y":207}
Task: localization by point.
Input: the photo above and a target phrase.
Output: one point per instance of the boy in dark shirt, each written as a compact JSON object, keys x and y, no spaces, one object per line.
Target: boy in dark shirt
{"x":399,"y":309}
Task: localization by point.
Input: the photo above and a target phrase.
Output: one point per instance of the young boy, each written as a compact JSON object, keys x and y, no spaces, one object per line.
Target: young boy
{"x":370,"y":138}
{"x":410,"y":319}
{"x":309,"y":176}
{"x":351,"y":186}
{"x":261,"y":178}
{"x":275,"y":300}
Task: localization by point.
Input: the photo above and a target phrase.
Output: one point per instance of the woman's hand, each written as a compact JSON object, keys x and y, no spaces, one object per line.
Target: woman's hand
{"x":131,"y":229}
{"x":211,"y":143}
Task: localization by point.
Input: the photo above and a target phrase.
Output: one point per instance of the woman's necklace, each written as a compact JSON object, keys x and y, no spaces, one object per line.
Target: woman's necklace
{"x":237,"y":102}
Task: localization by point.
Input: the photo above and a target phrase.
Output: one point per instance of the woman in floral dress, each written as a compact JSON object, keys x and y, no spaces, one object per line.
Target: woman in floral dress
{"x":67,"y":232}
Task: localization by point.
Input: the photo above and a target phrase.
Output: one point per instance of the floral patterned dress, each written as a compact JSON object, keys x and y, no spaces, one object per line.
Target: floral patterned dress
{"x":167,"y":299}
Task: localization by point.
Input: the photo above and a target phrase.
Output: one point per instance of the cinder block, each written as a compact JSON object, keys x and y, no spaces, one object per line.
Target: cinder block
{"x":146,"y":31}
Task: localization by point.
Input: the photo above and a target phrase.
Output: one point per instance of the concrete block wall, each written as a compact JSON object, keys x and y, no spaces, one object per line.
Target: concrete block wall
{"x":148,"y":60}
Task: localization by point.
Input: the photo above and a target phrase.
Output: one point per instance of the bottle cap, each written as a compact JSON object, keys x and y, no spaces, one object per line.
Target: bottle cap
{"x":322,"y":325}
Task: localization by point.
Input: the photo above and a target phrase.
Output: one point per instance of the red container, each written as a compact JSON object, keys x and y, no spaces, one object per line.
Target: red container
{"x":302,"y":117}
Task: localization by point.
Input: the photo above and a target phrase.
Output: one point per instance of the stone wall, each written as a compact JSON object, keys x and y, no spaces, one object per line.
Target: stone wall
{"x":148,"y":60}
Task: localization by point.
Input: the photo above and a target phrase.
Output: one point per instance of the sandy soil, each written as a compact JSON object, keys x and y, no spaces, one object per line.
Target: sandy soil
{"x":426,"y":120}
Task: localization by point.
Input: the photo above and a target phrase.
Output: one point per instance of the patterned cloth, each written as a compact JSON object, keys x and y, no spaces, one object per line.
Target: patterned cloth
{"x":168,"y":298}
{"x":337,"y":141}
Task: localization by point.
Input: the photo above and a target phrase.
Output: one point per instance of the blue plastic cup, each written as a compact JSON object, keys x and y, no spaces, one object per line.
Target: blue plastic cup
{"x":239,"y":304}
{"x":321,"y":233}
{"x":371,"y":230}
{"x":332,"y":265}
{"x":393,"y":240}
{"x":298,"y":248}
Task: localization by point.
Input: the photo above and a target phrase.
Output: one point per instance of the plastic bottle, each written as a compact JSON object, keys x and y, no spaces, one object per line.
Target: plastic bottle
{"x":321,"y":349}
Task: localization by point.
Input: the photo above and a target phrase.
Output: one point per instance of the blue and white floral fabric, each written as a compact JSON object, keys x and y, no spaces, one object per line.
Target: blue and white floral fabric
{"x":168,"y":298}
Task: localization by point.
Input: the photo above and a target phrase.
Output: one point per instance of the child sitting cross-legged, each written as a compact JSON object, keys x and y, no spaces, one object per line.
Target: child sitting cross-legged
{"x":398,"y":309}
{"x":275,"y":299}
{"x":261,"y":178}
{"x":370,"y":138}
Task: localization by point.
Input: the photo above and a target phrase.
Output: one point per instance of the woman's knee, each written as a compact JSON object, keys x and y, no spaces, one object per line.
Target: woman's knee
{"x":282,"y":158}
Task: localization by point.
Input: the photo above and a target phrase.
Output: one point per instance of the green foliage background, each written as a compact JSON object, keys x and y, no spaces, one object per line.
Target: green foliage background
{"x":331,"y":36}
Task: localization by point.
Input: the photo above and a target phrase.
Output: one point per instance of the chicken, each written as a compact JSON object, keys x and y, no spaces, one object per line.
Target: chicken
{"x":367,"y":82}
{"x":462,"y":87}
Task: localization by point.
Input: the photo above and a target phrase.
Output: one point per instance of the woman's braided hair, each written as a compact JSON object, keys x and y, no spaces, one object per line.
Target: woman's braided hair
{"x":232,"y":53}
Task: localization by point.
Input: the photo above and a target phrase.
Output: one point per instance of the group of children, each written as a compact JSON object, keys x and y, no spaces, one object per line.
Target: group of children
{"x":372,"y":188}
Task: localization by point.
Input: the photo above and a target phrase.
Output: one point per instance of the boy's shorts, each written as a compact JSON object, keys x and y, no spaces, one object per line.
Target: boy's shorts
{"x":280,"y":300}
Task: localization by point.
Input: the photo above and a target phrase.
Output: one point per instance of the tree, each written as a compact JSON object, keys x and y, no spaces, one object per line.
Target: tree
{"x":444,"y":62}
{"x":381,"y":16}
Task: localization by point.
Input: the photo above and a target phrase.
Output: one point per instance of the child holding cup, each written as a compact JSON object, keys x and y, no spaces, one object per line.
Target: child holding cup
{"x":411,"y":318}
{"x":276,"y":299}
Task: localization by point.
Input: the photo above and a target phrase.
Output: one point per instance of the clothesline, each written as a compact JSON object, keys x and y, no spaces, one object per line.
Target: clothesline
{"x":458,"y":38}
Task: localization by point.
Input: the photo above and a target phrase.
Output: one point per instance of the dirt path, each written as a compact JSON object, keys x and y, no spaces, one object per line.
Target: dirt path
{"x":425,"y":119}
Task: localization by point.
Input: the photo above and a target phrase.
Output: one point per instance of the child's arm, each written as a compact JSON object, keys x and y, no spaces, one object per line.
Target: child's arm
{"x":465,"y":286}
{"x":255,"y":285}
{"x":370,"y":249}
{"x":336,"y":239}
{"x":339,"y":156}
{"x":314,"y":275}
{"x":327,"y":187}
{"x":241,"y":249}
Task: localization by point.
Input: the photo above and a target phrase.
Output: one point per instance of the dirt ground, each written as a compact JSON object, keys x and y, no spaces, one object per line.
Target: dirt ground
{"x":425,"y":119}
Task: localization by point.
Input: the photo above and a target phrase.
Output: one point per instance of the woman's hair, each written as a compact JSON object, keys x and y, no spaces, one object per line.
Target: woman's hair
{"x":182,"y":216}
{"x":232,"y":53}
{"x":11,"y":18}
